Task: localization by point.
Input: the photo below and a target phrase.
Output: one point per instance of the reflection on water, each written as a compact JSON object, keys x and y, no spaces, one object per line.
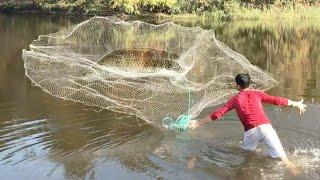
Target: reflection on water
{"x":45,"y":137}
{"x":140,"y":59}
{"x":291,"y":54}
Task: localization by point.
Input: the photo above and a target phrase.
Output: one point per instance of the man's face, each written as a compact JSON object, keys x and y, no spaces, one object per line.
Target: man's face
{"x":236,"y":86}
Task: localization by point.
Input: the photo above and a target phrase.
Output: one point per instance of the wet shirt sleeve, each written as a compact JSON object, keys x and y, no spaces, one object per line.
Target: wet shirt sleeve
{"x":222,"y":110}
{"x":280,"y":101}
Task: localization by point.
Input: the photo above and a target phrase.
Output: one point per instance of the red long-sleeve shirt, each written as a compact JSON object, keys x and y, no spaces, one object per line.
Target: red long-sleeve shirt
{"x":249,"y":108}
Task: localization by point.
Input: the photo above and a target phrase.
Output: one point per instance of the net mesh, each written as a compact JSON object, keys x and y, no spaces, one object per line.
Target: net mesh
{"x":155,"y":72}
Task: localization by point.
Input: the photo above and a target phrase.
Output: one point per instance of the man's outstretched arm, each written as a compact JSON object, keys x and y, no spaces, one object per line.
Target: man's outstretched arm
{"x":193,"y":124}
{"x":280,"y":101}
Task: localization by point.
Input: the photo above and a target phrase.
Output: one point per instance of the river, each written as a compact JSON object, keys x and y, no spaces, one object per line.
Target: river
{"x":43,"y":137}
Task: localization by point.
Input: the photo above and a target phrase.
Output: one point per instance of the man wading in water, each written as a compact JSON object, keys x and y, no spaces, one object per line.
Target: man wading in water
{"x":257,"y":127}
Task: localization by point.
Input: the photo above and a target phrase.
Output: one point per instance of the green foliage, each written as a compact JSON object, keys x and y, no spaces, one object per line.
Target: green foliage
{"x":137,"y":6}
{"x":231,"y":8}
{"x":219,"y":9}
{"x":14,"y":4}
{"x":85,"y":6}
{"x":195,"y":6}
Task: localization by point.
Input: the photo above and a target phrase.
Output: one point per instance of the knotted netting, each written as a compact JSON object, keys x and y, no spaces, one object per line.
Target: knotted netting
{"x":156,"y":72}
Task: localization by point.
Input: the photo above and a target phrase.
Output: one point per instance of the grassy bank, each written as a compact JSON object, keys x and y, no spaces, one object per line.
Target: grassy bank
{"x":297,"y":13}
{"x":244,"y":13}
{"x":177,"y":10}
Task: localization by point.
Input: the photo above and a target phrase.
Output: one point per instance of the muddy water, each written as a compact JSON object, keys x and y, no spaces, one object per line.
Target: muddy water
{"x":45,"y":137}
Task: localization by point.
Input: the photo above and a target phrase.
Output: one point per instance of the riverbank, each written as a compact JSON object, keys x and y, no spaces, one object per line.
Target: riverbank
{"x":229,"y":10}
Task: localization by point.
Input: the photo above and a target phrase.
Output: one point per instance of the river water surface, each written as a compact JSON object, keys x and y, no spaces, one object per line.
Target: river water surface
{"x":43,"y":137}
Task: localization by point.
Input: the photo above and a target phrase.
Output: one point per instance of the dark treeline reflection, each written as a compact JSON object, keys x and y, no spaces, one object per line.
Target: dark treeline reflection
{"x":286,"y":49}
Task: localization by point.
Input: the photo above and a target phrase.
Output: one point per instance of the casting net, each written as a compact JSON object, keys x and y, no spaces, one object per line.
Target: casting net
{"x":156,"y":72}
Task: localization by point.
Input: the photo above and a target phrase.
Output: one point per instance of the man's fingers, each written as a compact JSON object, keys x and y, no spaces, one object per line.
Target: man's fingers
{"x":302,"y":109}
{"x":191,"y":124}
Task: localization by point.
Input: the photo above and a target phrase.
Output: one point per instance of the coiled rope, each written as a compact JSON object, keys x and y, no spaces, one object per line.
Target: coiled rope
{"x":181,"y":123}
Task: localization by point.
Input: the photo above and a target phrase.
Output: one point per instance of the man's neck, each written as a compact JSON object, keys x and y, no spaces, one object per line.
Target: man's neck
{"x":243,"y":89}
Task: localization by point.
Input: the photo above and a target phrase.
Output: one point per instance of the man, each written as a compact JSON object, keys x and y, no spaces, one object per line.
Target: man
{"x":257,"y":127}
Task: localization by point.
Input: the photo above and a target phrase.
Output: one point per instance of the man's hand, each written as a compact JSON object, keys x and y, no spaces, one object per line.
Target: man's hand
{"x":299,"y":105}
{"x":193,"y":124}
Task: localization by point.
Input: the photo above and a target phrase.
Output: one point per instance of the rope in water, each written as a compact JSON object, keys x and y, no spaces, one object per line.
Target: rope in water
{"x":181,"y":123}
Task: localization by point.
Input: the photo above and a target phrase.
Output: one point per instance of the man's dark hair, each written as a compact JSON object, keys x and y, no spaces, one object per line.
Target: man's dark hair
{"x":243,"y":80}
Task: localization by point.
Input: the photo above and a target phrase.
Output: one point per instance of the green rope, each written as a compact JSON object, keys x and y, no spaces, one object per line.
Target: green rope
{"x":181,"y":123}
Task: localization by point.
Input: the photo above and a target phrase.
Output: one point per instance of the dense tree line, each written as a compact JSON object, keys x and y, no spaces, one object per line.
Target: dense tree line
{"x":152,"y":6}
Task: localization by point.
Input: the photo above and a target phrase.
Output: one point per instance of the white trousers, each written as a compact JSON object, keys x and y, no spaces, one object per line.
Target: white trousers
{"x":267,"y":136}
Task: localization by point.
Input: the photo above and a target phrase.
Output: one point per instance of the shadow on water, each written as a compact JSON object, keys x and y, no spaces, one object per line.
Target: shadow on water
{"x":45,"y":137}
